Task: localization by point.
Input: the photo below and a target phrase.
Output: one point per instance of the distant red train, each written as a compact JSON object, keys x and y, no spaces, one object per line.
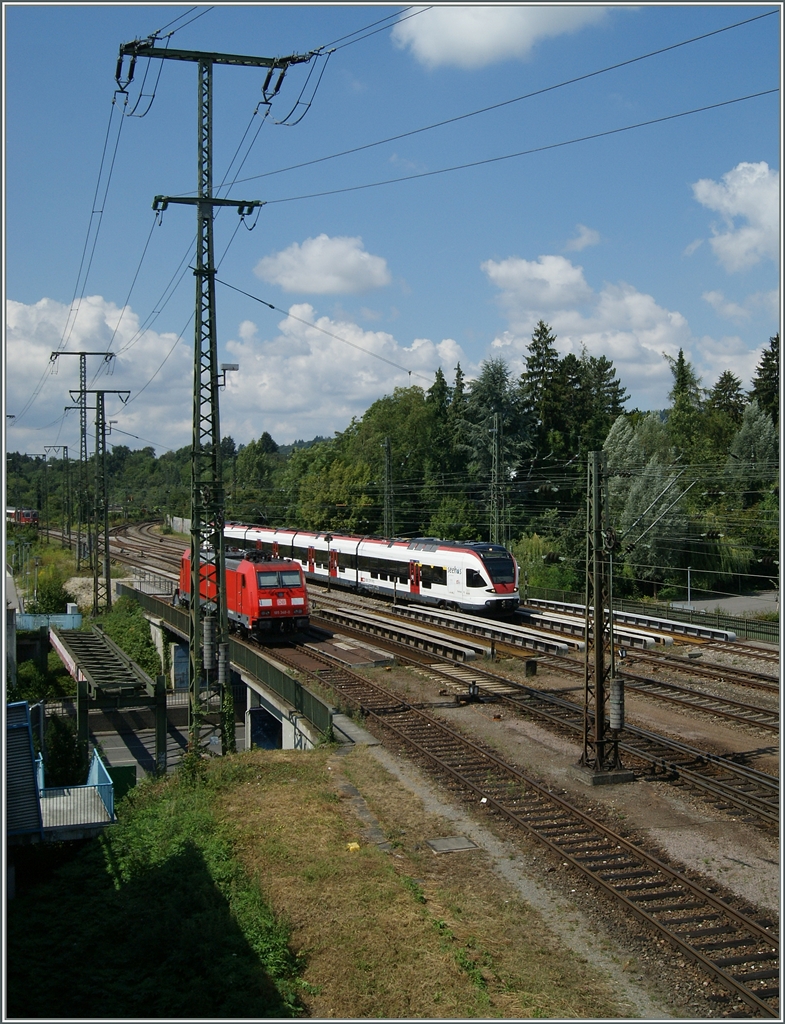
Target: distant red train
{"x":264,"y":595}
{"x":25,"y":516}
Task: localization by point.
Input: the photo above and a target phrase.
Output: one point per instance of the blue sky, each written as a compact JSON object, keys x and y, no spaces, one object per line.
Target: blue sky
{"x":633,"y":244}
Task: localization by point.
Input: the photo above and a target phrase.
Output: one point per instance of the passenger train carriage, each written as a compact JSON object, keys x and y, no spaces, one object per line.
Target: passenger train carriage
{"x":264,"y":595}
{"x":472,"y":577}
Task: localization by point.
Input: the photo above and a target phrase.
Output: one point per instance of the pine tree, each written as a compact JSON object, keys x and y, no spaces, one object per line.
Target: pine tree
{"x":766,"y":384}
{"x":537,"y":382}
{"x":727,"y":396}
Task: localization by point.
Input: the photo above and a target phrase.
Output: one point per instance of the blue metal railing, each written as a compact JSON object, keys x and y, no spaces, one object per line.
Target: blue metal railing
{"x":90,"y":804}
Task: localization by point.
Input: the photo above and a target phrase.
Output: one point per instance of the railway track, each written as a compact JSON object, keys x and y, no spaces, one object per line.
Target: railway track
{"x":688,"y":698}
{"x":738,"y":949}
{"x":730,"y":786}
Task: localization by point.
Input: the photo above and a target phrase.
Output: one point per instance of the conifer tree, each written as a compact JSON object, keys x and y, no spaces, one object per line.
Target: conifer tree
{"x":766,"y":384}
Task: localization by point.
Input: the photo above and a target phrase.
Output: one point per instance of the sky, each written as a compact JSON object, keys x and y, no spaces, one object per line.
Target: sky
{"x":444,"y":179}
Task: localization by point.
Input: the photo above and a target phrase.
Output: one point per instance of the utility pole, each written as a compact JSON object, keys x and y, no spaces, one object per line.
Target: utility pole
{"x":82,"y":504}
{"x":389,"y":521}
{"x":100,"y":503}
{"x":496,"y":479}
{"x":207,"y":495}
{"x":44,"y":492}
{"x":602,"y":688}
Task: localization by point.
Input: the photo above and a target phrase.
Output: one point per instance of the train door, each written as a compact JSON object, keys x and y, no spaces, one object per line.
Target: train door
{"x":311,"y":559}
{"x":333,"y":563}
{"x":414,"y":577}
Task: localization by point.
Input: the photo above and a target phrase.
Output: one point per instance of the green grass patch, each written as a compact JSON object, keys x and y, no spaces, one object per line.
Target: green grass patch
{"x":157,"y":918}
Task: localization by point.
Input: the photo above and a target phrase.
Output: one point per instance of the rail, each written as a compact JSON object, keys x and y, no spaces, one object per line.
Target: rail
{"x":241,"y":655}
{"x":744,"y":628}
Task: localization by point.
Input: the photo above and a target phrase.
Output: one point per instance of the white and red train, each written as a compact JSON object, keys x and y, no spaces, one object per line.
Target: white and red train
{"x":472,"y":576}
{"x":264,"y":594}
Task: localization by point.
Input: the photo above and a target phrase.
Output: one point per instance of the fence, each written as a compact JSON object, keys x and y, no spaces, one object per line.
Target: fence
{"x":291,"y":690}
{"x":745,"y":629}
{"x":90,"y":804}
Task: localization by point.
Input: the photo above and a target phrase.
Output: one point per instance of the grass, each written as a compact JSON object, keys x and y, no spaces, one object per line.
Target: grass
{"x":239,"y":892}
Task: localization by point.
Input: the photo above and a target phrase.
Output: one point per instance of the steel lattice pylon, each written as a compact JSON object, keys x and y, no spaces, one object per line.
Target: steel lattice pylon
{"x":600,"y":743}
{"x":207,"y":496}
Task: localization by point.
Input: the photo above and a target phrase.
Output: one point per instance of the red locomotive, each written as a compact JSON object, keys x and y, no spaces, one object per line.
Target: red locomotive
{"x":264,"y":595}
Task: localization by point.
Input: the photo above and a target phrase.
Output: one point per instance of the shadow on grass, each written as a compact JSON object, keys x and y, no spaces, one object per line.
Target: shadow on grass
{"x":164,"y":944}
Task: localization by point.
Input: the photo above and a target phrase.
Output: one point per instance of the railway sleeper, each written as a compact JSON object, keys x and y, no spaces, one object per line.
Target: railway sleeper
{"x":764,"y":956}
{"x":722,"y":944}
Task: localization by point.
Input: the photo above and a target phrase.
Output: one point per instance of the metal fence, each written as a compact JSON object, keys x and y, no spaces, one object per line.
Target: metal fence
{"x":90,"y":804}
{"x":289,"y":689}
{"x":744,"y":628}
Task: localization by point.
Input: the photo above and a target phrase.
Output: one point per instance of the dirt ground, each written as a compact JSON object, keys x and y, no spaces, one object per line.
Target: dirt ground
{"x":730,"y":855}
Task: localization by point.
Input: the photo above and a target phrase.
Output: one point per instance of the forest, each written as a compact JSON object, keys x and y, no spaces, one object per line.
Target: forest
{"x":694,"y":485}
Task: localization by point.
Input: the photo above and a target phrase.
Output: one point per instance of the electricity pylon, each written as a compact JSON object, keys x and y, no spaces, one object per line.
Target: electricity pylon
{"x":602,"y":688}
{"x":82,"y":504}
{"x":207,"y":494}
{"x":100,"y":500}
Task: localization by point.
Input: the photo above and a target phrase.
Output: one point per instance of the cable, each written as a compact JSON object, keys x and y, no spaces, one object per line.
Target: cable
{"x":523,"y":152}
{"x":76,"y":301}
{"x":373,"y":24}
{"x":504,"y":103}
{"x":287,"y":313}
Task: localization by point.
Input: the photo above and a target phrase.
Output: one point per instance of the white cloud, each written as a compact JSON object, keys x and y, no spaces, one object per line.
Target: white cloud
{"x":758,"y":303}
{"x":338,"y":374}
{"x":750,"y":194}
{"x":584,"y":238}
{"x":294,"y":381}
{"x":731,"y":310}
{"x":627,"y":326}
{"x":473,"y":37}
{"x":325,"y":266}
{"x":160,"y":415}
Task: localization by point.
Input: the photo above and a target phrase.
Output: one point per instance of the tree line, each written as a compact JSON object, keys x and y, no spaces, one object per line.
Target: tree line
{"x":693,"y":485}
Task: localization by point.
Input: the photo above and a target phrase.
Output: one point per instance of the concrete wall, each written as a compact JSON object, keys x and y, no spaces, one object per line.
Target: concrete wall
{"x":297,"y":732}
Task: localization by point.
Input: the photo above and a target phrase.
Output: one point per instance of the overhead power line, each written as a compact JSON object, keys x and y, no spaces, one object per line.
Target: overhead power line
{"x":523,"y":152}
{"x":502,"y":103}
{"x":330,"y":334}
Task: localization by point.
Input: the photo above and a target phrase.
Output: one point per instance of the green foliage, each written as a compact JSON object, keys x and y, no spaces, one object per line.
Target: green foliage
{"x":52,"y":594}
{"x":766,"y":383}
{"x":167,"y":871}
{"x":130,"y":630}
{"x":67,"y":760}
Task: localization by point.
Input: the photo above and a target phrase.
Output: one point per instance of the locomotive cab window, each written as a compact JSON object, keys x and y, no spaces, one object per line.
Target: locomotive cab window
{"x":267,"y":580}
{"x":474,"y":578}
{"x":290,"y":578}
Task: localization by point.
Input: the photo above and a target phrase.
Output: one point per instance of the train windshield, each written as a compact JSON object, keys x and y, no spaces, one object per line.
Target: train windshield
{"x":501,"y":568}
{"x":268,"y":579}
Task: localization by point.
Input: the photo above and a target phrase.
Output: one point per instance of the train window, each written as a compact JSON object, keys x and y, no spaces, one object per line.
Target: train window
{"x":267,"y":580}
{"x":433,"y":574}
{"x":290,"y":578}
{"x":501,"y":570}
{"x":474,"y":578}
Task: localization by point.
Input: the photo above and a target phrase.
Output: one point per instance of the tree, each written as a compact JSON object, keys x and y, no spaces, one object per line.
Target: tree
{"x":536,"y":384}
{"x":66,"y":761}
{"x":727,"y":396}
{"x":766,"y":383}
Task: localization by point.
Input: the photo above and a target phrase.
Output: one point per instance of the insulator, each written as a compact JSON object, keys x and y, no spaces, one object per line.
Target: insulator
{"x":209,"y":642}
{"x":616,"y":704}
{"x":223,"y":666}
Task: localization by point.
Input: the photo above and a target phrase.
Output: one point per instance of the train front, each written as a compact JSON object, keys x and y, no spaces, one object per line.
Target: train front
{"x":502,"y":570}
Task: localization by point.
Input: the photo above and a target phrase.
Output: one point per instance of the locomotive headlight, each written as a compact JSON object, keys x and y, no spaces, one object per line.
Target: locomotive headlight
{"x":265,"y":602}
{"x":298,"y":600}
